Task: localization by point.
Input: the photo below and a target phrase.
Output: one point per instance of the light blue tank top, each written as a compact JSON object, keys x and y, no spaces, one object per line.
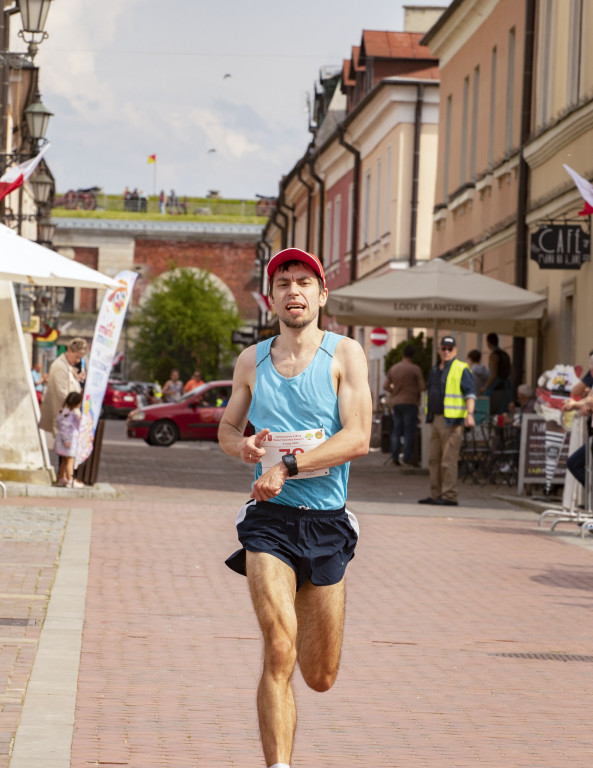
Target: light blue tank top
{"x":305,"y":401}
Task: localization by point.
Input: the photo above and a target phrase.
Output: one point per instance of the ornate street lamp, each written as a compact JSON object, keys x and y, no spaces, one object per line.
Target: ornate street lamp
{"x":45,"y":231}
{"x":42,"y":184}
{"x":37,"y":116}
{"x":34,"y":15}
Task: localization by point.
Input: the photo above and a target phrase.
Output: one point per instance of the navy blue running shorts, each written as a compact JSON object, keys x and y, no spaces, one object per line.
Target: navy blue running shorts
{"x":317,"y":544}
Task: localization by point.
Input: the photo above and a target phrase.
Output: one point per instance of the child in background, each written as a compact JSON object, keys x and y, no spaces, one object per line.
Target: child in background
{"x":68,"y":422}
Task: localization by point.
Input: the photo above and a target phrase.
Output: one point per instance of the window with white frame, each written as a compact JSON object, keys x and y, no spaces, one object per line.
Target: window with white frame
{"x":474,"y":139}
{"x":337,"y":225}
{"x":348,"y":247}
{"x":447,"y":147}
{"x":575,"y":43}
{"x":327,"y":234}
{"x":508,"y":142}
{"x":378,"y":202}
{"x":492,"y":108}
{"x":366,"y":209}
{"x":464,"y":121}
{"x":387,"y":227}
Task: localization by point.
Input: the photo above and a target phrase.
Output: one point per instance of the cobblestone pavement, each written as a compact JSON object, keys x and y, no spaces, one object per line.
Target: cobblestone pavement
{"x":467,"y":642}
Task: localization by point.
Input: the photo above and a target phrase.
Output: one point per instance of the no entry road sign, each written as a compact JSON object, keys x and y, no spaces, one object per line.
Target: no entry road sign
{"x":379,"y":336}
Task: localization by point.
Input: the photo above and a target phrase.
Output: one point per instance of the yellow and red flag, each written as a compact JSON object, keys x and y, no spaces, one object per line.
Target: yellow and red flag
{"x":151,"y":159}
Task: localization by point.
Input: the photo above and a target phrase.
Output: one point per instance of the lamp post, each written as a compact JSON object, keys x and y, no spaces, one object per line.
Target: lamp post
{"x":33,"y":15}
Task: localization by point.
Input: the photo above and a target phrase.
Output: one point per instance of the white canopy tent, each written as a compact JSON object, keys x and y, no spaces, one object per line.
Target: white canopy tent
{"x":23,"y":449}
{"x":23,"y":261}
{"x":440,"y":295}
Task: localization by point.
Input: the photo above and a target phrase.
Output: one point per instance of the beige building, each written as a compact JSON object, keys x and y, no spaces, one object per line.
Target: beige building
{"x":362,"y":196}
{"x":516,"y":103}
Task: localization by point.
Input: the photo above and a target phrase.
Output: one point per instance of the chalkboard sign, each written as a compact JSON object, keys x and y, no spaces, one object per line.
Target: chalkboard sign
{"x":532,"y":454}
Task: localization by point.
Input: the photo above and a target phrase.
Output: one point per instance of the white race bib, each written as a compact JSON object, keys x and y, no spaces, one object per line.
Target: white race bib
{"x":279,"y":444}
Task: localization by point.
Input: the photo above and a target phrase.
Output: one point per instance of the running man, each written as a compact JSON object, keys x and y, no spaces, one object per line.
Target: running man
{"x":306,"y":393}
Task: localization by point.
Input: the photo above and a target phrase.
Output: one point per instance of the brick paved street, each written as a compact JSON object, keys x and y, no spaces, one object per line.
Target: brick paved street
{"x":468,"y":633}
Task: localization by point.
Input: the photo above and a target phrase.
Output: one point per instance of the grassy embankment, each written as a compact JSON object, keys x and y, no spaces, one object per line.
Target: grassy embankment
{"x":198,"y":209}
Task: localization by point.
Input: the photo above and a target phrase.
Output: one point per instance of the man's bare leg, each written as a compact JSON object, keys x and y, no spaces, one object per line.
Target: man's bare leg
{"x":320,"y":617}
{"x":273,"y":587}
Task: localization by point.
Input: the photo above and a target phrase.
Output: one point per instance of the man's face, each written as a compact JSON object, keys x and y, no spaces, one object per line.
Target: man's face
{"x":174,"y":375}
{"x":74,"y":357}
{"x":37,"y":367}
{"x":296,"y":297}
{"x":448,"y":352}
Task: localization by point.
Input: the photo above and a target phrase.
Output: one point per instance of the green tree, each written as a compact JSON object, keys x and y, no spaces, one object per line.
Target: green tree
{"x":422,"y":357}
{"x":186,"y":323}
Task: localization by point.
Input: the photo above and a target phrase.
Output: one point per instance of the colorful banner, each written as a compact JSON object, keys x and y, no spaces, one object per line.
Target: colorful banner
{"x":105,"y":341}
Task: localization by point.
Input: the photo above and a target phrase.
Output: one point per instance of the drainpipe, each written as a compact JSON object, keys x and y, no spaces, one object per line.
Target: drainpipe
{"x":309,"y":207}
{"x":282,"y":228}
{"x":311,"y":162}
{"x":355,"y":199}
{"x":521,"y":261}
{"x":415,"y":173}
{"x":293,"y":222}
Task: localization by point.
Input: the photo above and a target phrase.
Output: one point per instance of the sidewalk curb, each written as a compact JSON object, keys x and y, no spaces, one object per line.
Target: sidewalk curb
{"x":44,"y":734}
{"x":97,"y":491}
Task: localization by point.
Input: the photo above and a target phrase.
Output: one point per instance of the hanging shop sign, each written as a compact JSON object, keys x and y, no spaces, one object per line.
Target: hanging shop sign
{"x":560,"y":246}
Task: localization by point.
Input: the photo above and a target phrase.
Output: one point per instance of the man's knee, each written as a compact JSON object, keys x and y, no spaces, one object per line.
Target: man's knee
{"x":320,"y":680}
{"x":280,"y":654}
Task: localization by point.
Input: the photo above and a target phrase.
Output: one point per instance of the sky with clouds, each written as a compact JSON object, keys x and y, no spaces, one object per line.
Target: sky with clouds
{"x":129,"y":78}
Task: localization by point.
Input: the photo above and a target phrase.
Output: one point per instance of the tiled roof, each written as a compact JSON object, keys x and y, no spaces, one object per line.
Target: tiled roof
{"x":347,"y":76}
{"x":393,"y":45}
{"x":357,"y":65}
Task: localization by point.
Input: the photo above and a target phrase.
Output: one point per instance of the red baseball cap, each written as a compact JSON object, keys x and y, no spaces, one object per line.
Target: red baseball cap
{"x":295,"y":254}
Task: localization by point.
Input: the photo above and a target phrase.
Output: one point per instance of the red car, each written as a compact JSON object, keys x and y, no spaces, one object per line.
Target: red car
{"x":195,"y":417}
{"x":120,"y":398}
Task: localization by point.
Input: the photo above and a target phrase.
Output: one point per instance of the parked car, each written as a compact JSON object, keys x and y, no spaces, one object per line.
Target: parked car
{"x":148,"y":392}
{"x":195,"y":417}
{"x":120,"y":398}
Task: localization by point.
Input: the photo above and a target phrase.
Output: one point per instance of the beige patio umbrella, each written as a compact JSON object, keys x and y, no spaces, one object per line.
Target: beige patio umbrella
{"x":439,"y":295}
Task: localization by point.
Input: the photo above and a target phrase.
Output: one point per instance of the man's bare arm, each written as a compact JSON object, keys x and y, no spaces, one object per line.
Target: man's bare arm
{"x":231,"y":430}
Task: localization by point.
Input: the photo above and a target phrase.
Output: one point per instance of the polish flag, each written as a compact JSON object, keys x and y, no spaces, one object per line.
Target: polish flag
{"x":262,"y":301}
{"x":16,"y":176}
{"x":586,"y":190}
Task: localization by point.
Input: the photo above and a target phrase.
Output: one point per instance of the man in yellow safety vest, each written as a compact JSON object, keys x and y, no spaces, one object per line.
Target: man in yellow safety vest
{"x":451,"y":401}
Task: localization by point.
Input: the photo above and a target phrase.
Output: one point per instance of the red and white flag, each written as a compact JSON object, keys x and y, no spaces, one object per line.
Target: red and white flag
{"x":262,"y":301}
{"x":16,"y":176}
{"x":586,"y":190}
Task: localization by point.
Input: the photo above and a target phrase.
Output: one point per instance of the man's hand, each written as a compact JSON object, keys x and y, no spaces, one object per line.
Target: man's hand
{"x":269,"y":484}
{"x":469,"y":420}
{"x":251,"y":451}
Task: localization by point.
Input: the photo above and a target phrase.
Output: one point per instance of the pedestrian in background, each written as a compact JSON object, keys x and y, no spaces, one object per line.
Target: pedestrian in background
{"x":39,"y":381}
{"x":67,"y":426}
{"x":498,"y":387}
{"x":479,"y":371}
{"x":450,"y":406}
{"x":195,"y":381}
{"x":173,"y":388}
{"x":64,"y":377}
{"x":404,"y":384}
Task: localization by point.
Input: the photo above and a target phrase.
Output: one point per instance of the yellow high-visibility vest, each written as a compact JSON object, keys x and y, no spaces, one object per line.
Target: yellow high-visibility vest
{"x":454,"y":406}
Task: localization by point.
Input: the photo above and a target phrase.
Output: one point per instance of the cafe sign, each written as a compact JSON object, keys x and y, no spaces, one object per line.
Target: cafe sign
{"x":560,"y":246}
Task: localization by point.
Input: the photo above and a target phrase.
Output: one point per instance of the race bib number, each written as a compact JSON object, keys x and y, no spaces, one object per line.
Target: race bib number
{"x":279,"y":444}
